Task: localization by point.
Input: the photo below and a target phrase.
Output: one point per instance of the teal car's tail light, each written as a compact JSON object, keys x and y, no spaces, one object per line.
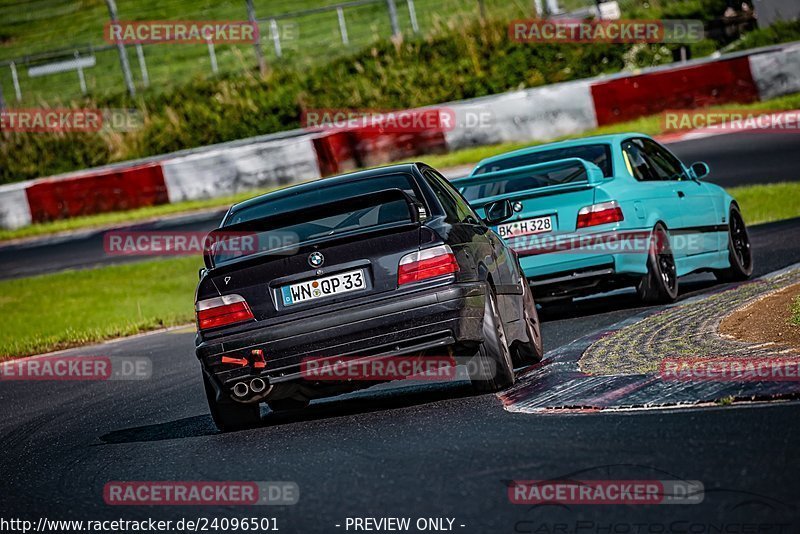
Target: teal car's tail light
{"x":603,"y":213}
{"x":222,"y":311}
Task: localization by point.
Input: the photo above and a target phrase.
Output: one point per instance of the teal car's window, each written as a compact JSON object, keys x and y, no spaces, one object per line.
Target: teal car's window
{"x":649,"y":162}
{"x":665,"y":164}
{"x":599,"y":154}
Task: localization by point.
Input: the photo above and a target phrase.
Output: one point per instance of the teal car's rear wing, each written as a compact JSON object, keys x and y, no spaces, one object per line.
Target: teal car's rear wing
{"x":533,"y":180}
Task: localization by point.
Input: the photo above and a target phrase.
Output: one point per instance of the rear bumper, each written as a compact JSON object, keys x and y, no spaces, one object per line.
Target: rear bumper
{"x":432,"y":317}
{"x":563,"y":274}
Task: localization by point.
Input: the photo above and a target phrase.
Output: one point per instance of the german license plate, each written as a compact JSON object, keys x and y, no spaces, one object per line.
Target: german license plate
{"x":327,"y":286}
{"x":537,"y":225}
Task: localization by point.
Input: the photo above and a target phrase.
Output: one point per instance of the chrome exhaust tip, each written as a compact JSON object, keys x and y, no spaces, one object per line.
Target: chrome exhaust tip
{"x":241,"y":390}
{"x":257,"y":385}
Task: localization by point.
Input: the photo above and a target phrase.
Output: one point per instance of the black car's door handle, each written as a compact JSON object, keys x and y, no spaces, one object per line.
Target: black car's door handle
{"x":681,"y":194}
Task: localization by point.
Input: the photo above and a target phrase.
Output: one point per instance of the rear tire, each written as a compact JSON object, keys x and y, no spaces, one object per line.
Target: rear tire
{"x":229,"y":415}
{"x":528,"y":352}
{"x":491,"y":369}
{"x":660,"y":284}
{"x":739,"y":253}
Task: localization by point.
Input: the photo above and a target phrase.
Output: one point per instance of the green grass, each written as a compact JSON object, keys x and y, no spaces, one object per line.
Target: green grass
{"x":56,"y":311}
{"x":648,"y":125}
{"x":768,"y":202}
{"x":73,"y":308}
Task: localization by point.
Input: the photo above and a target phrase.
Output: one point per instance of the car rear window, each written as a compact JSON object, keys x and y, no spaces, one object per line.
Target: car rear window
{"x":526,"y":180}
{"x":599,"y":154}
{"x":310,"y":227}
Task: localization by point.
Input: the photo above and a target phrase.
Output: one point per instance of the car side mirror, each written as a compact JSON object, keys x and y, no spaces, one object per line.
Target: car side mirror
{"x":200,"y":273}
{"x":498,"y":211}
{"x":700,"y":170}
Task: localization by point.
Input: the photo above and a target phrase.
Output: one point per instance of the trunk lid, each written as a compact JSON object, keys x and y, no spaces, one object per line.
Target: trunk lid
{"x":546,"y":197}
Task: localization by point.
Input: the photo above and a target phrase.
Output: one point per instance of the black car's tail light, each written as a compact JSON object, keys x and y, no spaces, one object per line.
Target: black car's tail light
{"x":222,"y":311}
{"x":603,"y":213}
{"x":427,"y":263}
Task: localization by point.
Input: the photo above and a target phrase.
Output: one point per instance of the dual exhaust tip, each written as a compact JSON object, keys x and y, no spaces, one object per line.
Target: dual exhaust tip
{"x":242,"y":389}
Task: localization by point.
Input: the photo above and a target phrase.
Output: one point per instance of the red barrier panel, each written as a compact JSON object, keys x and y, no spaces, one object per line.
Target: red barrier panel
{"x":110,"y":190}
{"x":708,"y":84}
{"x":380,"y":148}
{"x":365,"y":140}
{"x":336,"y":152}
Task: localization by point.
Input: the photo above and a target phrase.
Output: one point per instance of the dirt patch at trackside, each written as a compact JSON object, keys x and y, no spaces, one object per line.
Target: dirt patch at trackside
{"x":767,"y":320}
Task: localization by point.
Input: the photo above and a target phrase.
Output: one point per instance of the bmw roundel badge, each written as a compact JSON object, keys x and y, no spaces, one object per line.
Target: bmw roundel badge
{"x":316,"y":259}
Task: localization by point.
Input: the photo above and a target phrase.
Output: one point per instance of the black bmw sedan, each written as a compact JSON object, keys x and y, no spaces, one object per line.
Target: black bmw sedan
{"x":367,"y":266}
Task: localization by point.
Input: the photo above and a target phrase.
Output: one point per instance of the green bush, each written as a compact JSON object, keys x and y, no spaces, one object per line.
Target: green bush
{"x":779,"y":32}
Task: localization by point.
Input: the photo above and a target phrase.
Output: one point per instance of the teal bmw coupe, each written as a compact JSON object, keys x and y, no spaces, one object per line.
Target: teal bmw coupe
{"x":598,"y":213}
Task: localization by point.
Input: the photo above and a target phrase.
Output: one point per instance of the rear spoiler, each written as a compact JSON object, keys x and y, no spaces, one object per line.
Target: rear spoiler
{"x":594,"y":175}
{"x":310,"y":213}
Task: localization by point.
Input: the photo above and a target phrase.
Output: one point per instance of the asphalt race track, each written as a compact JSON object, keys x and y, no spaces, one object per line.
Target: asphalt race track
{"x":735,"y":159}
{"x":430,"y":450}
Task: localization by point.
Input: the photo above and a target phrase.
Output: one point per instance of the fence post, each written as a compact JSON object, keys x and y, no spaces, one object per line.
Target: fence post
{"x":142,"y":65}
{"x":412,"y":14}
{"x":276,"y":38}
{"x":212,"y":54}
{"x":342,"y":25}
{"x":393,"y":17}
{"x":123,"y":55}
{"x":482,"y":9}
{"x":15,"y":79}
{"x":81,"y":77}
{"x":251,"y":16}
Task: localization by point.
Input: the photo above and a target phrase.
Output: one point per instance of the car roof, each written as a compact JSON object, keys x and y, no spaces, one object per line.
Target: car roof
{"x":591,"y":140}
{"x":330,"y":180}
